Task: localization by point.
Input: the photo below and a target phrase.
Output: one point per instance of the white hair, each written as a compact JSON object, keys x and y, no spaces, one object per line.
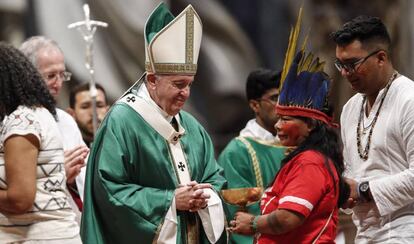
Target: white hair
{"x":33,"y":45}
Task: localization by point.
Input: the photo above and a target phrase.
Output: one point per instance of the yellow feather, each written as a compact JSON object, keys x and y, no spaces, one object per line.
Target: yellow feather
{"x":309,"y":62}
{"x":291,"y":50}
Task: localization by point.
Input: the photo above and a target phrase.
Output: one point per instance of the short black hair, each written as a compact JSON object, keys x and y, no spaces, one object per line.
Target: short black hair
{"x":260,"y":81}
{"x":80,"y":88}
{"x":366,"y":29}
{"x":21,"y":83}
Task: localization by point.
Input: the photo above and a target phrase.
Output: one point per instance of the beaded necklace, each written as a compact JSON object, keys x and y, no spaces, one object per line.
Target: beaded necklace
{"x":363,"y":153}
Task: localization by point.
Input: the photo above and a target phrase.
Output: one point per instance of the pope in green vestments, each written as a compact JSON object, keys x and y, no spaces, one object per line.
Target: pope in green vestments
{"x":130,"y":180}
{"x":151,"y":174}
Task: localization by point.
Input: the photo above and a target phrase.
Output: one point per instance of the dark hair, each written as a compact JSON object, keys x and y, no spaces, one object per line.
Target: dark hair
{"x":366,"y":29}
{"x":81,"y":88}
{"x":21,"y":83}
{"x":260,"y":81}
{"x":324,"y":139}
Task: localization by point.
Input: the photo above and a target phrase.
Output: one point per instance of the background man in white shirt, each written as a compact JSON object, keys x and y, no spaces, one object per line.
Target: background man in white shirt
{"x":48,"y":58}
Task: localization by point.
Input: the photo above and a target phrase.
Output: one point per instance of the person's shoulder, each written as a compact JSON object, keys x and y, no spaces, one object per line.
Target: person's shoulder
{"x":20,"y":112}
{"x":235,"y":153}
{"x":65,"y":117}
{"x":403,"y":88}
{"x":186,"y":115}
{"x":188,"y":119}
{"x":29,"y":113}
{"x":119,"y":111}
{"x":352,"y":102}
{"x":23,"y":110}
{"x":310,"y":157}
{"x":235,"y":144}
{"x":121,"y":114}
{"x":66,"y":122}
{"x":21,"y":121}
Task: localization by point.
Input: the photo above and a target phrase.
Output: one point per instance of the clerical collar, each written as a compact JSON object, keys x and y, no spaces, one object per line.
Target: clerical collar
{"x":144,"y":94}
{"x":254,"y":130}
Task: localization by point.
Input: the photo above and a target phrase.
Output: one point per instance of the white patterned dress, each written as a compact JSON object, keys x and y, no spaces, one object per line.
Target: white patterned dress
{"x":51,"y":217}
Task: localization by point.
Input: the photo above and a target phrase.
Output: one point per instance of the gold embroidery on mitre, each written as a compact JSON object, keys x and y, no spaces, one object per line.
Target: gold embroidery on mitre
{"x":189,"y":42}
{"x":172,"y":68}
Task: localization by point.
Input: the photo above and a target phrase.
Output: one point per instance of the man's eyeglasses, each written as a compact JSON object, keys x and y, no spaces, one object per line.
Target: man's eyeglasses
{"x":271,"y":99}
{"x":64,"y":76}
{"x":352,"y":67}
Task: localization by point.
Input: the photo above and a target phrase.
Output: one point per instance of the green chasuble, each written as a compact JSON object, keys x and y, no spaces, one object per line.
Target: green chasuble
{"x":130,"y":179}
{"x":238,"y":160}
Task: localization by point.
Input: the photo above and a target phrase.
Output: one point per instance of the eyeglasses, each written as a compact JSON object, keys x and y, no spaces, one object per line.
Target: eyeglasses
{"x":64,"y":76}
{"x":272,"y":99}
{"x":352,"y":67}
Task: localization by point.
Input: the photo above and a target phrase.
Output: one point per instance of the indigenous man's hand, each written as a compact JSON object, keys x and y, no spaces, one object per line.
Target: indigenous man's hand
{"x":74,"y":161}
{"x":241,"y":224}
{"x":353,"y":195}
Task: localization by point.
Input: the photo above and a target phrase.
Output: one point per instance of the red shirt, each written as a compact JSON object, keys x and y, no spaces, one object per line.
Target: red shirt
{"x":305,"y":186}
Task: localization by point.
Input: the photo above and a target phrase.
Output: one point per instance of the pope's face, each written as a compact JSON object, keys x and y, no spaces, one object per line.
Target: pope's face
{"x":170,"y":92}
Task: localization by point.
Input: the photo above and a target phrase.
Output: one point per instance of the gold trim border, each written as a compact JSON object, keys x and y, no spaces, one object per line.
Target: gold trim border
{"x":255,"y":161}
{"x":189,"y":37}
{"x":170,"y":68}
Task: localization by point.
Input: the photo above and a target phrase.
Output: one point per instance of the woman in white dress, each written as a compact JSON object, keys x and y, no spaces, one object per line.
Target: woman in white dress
{"x":33,"y":203}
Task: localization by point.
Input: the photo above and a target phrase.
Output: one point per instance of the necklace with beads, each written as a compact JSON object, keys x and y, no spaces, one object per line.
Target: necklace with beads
{"x":363,"y":153}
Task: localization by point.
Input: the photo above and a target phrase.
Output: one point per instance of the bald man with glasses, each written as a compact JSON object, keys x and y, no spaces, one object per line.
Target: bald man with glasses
{"x":48,"y":58}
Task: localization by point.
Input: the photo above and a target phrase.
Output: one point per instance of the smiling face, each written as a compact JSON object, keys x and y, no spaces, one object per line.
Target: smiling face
{"x":292,"y":131}
{"x":170,"y":92}
{"x":366,"y":78}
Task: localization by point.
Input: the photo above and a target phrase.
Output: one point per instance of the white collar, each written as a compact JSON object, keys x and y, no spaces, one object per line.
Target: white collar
{"x":254,"y":130}
{"x":144,"y":94}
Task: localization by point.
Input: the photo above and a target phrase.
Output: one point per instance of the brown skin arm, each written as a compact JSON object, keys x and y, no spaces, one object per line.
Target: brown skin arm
{"x":277,"y":222}
{"x":20,"y":156}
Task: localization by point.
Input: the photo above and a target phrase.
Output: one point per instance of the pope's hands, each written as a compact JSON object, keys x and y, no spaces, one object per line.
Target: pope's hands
{"x":192,"y":196}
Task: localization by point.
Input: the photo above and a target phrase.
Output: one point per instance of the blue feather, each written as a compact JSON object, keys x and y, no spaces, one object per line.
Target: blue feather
{"x":307,"y":89}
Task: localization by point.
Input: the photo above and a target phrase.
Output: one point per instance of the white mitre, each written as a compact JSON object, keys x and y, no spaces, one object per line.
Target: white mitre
{"x":172,"y":44}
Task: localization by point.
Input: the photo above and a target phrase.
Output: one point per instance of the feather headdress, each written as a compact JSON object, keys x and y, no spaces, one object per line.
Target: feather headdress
{"x":304,"y":86}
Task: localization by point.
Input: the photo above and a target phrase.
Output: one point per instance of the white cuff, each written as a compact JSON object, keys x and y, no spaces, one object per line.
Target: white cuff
{"x":168,"y":233}
{"x":212,"y":217}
